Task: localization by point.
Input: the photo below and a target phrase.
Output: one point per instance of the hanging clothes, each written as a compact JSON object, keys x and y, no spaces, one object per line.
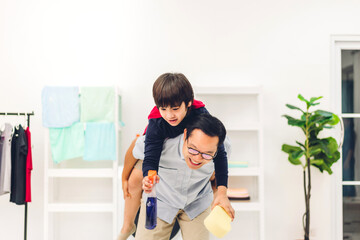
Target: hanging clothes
{"x":29,"y":166}
{"x":5,"y":156}
{"x":19,"y":150}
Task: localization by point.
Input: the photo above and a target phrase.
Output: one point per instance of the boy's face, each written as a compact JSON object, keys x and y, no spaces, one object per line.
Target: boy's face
{"x":202,"y":144}
{"x":174,"y":115}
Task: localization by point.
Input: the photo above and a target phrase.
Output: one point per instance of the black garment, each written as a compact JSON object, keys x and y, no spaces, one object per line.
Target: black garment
{"x":158,"y":130}
{"x":18,"y":166}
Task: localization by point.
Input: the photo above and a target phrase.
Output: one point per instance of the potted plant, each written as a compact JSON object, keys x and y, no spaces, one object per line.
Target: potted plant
{"x":314,"y":151}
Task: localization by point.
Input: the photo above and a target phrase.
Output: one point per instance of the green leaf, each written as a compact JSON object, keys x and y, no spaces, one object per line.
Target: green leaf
{"x":313,"y":99}
{"x":302,"y":98}
{"x":327,"y":168}
{"x":289,"y":149}
{"x":316,"y":162}
{"x":300,"y":144}
{"x":324,"y":113}
{"x":317,"y":118}
{"x":297,"y":154}
{"x":332,"y":144}
{"x":315,"y":150}
{"x":294,"y":107}
{"x":335,"y":119}
{"x":294,"y":161}
{"x":294,"y":122}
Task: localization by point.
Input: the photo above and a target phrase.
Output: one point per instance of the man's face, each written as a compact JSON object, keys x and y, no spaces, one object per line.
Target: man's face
{"x":174,"y":115}
{"x":202,"y":143}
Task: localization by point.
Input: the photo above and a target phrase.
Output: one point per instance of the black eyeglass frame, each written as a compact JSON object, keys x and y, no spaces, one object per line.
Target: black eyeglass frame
{"x":198,"y":152}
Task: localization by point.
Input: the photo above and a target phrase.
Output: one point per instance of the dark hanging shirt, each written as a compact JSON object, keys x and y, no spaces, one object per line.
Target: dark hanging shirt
{"x":19,"y":151}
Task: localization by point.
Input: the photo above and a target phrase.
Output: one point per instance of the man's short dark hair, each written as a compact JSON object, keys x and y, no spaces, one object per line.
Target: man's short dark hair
{"x":210,"y":125}
{"x":171,"y":89}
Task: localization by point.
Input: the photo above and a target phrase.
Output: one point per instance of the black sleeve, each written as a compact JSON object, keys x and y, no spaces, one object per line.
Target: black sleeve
{"x":154,"y":139}
{"x":220,"y":161}
{"x":221,"y":167}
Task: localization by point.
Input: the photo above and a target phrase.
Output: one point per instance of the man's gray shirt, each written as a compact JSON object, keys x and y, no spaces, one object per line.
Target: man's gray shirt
{"x":179,"y":187}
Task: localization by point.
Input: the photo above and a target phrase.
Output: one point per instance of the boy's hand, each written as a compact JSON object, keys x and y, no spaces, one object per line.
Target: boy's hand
{"x":222,"y":200}
{"x":147,"y":185}
{"x":125,"y":189}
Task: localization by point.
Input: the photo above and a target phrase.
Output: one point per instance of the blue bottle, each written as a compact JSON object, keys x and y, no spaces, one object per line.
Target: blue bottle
{"x":151,"y":204}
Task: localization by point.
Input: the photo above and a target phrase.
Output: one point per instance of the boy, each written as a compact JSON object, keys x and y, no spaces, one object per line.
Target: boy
{"x":175,"y":107}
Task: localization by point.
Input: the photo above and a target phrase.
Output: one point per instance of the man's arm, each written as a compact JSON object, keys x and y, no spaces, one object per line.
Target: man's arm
{"x":221,"y":199}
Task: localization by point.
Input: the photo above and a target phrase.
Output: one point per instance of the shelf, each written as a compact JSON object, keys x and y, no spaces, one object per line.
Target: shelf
{"x":245,"y":206}
{"x":246,"y":171}
{"x":82,"y":173}
{"x":227,"y":90}
{"x":81,"y":207}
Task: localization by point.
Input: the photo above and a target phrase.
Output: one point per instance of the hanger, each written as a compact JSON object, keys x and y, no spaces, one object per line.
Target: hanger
{"x":25,"y":118}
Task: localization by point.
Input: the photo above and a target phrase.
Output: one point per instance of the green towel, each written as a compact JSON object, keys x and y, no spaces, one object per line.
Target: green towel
{"x":97,"y":104}
{"x":237,"y":164}
{"x":67,"y":143}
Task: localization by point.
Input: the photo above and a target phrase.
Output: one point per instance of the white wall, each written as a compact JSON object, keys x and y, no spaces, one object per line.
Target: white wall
{"x":281,"y":44}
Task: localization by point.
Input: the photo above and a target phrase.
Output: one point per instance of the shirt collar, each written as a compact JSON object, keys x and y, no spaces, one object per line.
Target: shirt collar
{"x":181,"y":144}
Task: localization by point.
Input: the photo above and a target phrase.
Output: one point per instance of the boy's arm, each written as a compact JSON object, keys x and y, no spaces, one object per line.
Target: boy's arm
{"x":154,"y":140}
{"x":221,"y":166}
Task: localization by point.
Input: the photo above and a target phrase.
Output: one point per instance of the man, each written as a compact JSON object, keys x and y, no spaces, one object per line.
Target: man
{"x":184,"y":190}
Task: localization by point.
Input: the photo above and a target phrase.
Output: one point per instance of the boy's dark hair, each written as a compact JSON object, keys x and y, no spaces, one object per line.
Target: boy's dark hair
{"x":210,"y":125}
{"x":171,"y":89}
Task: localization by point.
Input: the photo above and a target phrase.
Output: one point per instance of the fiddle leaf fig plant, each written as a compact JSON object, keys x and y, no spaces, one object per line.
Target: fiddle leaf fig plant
{"x":321,"y":153}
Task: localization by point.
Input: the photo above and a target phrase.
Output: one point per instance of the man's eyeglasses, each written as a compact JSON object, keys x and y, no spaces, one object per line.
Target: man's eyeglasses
{"x":203,"y":155}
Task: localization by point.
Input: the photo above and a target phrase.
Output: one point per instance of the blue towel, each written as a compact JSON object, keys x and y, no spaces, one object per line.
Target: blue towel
{"x":60,"y":106}
{"x":100,"y":142}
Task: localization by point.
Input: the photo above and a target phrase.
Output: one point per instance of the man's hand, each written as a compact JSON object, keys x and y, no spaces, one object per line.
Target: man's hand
{"x":125,"y":189}
{"x":221,"y":199}
{"x":147,"y":185}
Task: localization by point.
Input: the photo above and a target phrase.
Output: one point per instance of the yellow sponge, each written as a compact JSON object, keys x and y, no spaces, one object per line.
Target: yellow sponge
{"x":218,"y":222}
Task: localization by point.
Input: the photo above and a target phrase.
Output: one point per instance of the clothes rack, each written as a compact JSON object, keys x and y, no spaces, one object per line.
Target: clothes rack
{"x":28,"y":124}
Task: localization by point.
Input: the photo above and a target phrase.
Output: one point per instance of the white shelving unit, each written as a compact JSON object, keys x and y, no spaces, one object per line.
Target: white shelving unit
{"x":240,"y":109}
{"x":105,"y":172}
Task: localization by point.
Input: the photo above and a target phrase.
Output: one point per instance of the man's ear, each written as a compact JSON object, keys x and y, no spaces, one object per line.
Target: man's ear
{"x":185,"y":133}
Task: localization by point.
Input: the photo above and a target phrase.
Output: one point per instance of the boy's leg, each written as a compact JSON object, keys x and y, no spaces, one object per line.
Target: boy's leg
{"x":194,"y":229}
{"x":161,"y":232}
{"x":131,"y":183}
{"x":132,"y":203}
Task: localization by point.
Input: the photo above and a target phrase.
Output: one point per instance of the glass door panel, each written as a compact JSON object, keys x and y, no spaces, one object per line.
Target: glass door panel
{"x":350,"y":107}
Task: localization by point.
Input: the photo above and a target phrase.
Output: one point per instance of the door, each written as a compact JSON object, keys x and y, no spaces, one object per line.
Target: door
{"x":346,"y":102}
